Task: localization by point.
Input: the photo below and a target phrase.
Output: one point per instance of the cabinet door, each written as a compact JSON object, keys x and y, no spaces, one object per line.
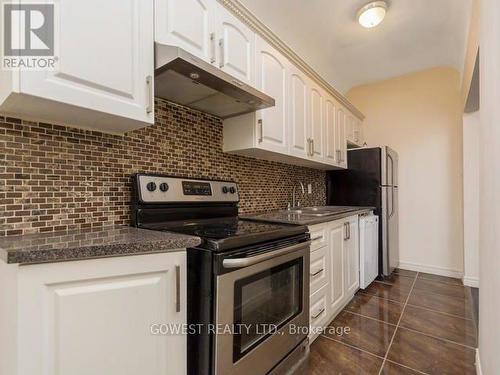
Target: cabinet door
{"x":351,"y":256}
{"x":271,"y":73}
{"x":317,"y":123}
{"x":337,"y":279}
{"x":341,"y":138}
{"x":187,"y":24}
{"x":236,"y":46}
{"x":96,"y":316}
{"x":105,"y":56}
{"x":349,"y":127}
{"x":358,"y":133}
{"x":331,"y":152}
{"x":299,"y":98}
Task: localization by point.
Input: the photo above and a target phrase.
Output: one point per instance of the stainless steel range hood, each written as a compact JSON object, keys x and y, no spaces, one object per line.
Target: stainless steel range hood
{"x":185,"y":79}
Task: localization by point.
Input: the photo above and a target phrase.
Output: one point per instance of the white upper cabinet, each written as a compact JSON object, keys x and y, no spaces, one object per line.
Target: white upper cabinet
{"x":236,"y":46}
{"x":210,"y":32}
{"x":299,"y":117}
{"x":272,"y":78}
{"x":104,"y":76}
{"x":331,"y":133}
{"x":354,"y":131}
{"x":341,"y":137}
{"x":317,"y":123}
{"x":188,"y":24}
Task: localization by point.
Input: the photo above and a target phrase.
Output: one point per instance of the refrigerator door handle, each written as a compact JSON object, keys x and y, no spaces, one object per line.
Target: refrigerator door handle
{"x":392,"y":203}
{"x":389,"y":157}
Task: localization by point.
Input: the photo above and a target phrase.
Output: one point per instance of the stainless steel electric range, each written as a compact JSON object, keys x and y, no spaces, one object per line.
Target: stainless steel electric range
{"x":248,"y":284}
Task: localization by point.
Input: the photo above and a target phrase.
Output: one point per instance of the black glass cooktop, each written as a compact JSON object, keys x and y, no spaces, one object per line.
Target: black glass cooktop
{"x":229,"y":233}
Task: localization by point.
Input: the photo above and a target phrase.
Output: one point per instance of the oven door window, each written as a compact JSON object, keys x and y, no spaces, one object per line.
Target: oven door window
{"x":264,"y":302}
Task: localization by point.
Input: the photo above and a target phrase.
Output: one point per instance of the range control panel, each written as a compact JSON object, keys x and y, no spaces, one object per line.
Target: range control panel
{"x":163,"y":189}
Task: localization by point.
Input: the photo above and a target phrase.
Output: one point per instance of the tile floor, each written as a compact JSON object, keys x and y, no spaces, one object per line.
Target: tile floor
{"x":409,"y":323}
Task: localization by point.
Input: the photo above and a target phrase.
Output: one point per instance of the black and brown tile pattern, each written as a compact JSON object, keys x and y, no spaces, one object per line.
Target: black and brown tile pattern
{"x":58,"y":178}
{"x":409,"y":323}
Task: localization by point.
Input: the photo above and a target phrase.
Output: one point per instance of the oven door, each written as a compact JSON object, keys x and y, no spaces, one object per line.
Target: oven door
{"x":264,"y":302}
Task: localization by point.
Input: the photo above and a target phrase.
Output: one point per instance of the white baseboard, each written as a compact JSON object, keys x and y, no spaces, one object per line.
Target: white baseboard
{"x":442,"y":271}
{"x":471,"y":281}
{"x":478,"y":363}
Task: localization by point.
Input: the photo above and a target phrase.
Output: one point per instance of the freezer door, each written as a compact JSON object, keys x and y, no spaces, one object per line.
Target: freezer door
{"x":389,"y":251}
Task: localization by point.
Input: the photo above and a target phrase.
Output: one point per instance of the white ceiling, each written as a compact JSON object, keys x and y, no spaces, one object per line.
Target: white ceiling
{"x":415,"y":35}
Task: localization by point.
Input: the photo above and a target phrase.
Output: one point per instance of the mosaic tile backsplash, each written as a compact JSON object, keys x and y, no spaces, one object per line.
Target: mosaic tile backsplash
{"x":56,"y":177}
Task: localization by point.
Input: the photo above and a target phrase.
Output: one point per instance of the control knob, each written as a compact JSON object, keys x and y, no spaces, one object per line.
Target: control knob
{"x":151,"y":186}
{"x":232,"y":190}
{"x":225,"y":189}
{"x":164,"y":186}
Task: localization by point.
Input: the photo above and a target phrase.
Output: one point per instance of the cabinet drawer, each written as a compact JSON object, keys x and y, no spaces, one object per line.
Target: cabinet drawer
{"x":318,"y":312}
{"x":319,"y":238}
{"x":319,"y":268}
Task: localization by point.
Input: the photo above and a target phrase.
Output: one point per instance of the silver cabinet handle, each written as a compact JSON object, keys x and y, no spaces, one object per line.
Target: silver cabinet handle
{"x":212,"y":47}
{"x":221,"y":45}
{"x":261,"y":130}
{"x":348,"y":231}
{"x":149,"y":86}
{"x":317,"y":238}
{"x":177,"y":288}
{"x":338,"y":155}
{"x":249,"y":261}
{"x":345,"y":232}
{"x":317,"y":272}
{"x":312,"y":147}
{"x":319,"y":313}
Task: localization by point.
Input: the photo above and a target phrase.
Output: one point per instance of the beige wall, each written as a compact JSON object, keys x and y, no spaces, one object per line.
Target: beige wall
{"x":489,"y":211}
{"x":420,"y":116}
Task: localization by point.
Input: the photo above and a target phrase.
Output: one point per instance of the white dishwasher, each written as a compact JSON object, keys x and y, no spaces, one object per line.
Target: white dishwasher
{"x":368,"y":249}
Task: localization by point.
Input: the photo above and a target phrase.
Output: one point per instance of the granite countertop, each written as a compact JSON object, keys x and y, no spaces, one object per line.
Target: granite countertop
{"x":290,"y":217}
{"x":90,"y":244}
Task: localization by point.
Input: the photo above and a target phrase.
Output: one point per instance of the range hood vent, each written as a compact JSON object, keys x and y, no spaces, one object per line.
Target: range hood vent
{"x":185,"y":79}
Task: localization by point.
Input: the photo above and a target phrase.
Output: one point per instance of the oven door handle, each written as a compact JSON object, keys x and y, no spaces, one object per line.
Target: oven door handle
{"x":250,"y":261}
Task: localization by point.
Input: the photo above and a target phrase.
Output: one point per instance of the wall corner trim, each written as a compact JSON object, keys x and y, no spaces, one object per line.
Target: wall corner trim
{"x":478,"y":363}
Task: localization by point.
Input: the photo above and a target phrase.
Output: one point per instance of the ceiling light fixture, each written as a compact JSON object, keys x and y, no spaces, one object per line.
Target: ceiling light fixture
{"x":372,"y":14}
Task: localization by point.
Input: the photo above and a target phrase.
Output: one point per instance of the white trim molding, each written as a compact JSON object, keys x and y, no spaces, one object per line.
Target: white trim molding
{"x":471,"y":281}
{"x":442,"y":271}
{"x":244,"y":14}
{"x":478,"y":363}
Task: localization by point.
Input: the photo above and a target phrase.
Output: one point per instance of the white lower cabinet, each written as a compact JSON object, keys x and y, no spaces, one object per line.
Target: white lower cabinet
{"x":334,"y":271}
{"x":319,"y":312}
{"x":337,"y":263}
{"x":96,"y":316}
{"x":351,"y":254}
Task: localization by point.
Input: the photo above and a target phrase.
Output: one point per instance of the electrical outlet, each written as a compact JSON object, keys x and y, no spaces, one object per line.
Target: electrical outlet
{"x":309,"y":189}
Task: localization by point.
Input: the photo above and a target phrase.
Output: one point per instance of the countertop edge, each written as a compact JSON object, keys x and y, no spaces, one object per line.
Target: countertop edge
{"x":127,"y":246}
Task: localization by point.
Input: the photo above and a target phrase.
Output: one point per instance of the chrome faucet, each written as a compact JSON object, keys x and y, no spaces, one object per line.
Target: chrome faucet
{"x":295,"y":203}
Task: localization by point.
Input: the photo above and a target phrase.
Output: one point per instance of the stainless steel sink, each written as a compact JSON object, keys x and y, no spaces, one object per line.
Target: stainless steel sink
{"x":319,"y":211}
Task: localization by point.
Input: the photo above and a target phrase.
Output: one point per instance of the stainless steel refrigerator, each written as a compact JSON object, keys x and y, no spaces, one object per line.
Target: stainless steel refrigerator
{"x":371,"y":180}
